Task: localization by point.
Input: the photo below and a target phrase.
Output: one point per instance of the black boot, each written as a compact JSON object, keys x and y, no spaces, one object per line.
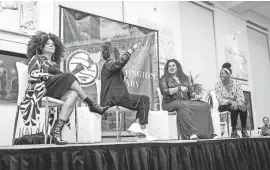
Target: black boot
{"x":244,"y":133}
{"x":94,"y":107}
{"x":234,"y":134}
{"x":56,"y":132}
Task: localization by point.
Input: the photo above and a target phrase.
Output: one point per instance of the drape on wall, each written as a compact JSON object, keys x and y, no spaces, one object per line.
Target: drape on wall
{"x":233,"y":154}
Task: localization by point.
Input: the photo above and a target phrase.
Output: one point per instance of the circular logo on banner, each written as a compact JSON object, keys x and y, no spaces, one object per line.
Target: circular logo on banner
{"x":80,"y":64}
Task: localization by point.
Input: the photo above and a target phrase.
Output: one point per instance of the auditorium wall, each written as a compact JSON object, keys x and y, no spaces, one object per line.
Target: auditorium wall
{"x":165,"y":16}
{"x":170,"y":17}
{"x":231,"y":32}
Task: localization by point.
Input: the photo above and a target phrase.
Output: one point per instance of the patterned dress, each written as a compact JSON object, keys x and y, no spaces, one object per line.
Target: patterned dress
{"x":55,"y":86}
{"x":236,"y":94}
{"x":224,"y":96}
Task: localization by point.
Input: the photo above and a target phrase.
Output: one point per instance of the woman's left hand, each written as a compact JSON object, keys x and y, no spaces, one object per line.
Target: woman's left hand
{"x":198,"y":97}
{"x":234,"y":105}
{"x":243,"y":107}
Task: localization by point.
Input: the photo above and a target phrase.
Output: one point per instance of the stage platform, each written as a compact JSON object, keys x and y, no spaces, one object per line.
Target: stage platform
{"x":222,"y":154}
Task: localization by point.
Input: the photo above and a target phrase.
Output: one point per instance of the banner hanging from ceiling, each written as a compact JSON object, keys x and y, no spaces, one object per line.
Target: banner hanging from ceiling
{"x":83,"y":35}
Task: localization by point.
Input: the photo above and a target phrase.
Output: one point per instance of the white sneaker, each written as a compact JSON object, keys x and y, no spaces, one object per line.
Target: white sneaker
{"x":193,"y":137}
{"x":136,"y":130}
{"x":148,"y":137}
{"x":216,"y":137}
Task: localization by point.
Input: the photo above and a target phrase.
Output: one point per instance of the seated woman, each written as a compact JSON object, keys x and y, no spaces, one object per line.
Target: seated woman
{"x":45,"y":79}
{"x":231,"y":98}
{"x":193,"y":116}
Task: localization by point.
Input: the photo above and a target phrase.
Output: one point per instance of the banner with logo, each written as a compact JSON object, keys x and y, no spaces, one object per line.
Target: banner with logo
{"x":83,"y":35}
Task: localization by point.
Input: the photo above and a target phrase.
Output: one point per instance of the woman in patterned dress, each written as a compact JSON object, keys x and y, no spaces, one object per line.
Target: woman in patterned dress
{"x":231,"y":98}
{"x":45,"y":79}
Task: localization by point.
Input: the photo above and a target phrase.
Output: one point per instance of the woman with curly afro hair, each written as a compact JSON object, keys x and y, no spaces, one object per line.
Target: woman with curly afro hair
{"x":45,"y":52}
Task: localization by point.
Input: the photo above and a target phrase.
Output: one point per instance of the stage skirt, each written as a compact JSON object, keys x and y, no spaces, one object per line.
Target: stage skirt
{"x":230,"y":154}
{"x":58,"y":85}
{"x":193,"y":117}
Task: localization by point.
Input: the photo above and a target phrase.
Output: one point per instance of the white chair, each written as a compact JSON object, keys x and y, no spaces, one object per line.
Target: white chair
{"x":173,"y":134}
{"x":226,"y":114}
{"x":47,"y":102}
{"x":118,"y":110}
{"x":160,"y":102}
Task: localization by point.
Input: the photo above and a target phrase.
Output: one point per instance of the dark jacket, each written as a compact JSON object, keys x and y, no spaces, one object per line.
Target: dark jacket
{"x":265,"y":130}
{"x":167,"y":82}
{"x":113,"y":87}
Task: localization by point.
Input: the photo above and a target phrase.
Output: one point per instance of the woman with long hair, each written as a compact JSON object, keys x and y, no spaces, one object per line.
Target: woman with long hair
{"x":45,"y":79}
{"x":193,"y":116}
{"x":231,"y":98}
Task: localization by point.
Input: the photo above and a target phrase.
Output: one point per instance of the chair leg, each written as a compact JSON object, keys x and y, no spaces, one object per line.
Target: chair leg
{"x":120,"y":125}
{"x":117,"y":130}
{"x":228,"y":128}
{"x":76,"y":124}
{"x":15,"y":126}
{"x":46,"y":122}
{"x":51,"y":140}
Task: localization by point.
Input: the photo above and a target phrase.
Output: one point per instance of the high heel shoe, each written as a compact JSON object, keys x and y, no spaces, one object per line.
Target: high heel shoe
{"x":56,"y":132}
{"x":234,"y":134}
{"x":98,"y":109}
{"x":244,"y":133}
{"x":94,"y":107}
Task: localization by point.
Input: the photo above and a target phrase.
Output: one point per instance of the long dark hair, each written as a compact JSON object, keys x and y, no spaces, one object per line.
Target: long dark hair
{"x":38,"y":41}
{"x":180,"y":74}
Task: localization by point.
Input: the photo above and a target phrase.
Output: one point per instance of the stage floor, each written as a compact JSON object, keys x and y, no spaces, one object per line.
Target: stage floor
{"x":221,"y":154}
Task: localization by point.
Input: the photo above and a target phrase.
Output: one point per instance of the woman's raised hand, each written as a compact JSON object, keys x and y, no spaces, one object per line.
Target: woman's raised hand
{"x":136,"y":46}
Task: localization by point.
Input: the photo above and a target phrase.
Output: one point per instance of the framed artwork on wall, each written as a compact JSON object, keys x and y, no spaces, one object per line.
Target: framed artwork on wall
{"x":239,"y":63}
{"x":18,"y":16}
{"x":9,"y":76}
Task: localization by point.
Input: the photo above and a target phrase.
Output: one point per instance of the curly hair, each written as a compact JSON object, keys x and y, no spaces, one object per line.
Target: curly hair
{"x":38,"y":41}
{"x":180,"y":74}
{"x":106,"y":50}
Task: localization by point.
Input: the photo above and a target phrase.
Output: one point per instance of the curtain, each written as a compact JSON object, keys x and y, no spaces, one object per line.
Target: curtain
{"x":234,"y":154}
